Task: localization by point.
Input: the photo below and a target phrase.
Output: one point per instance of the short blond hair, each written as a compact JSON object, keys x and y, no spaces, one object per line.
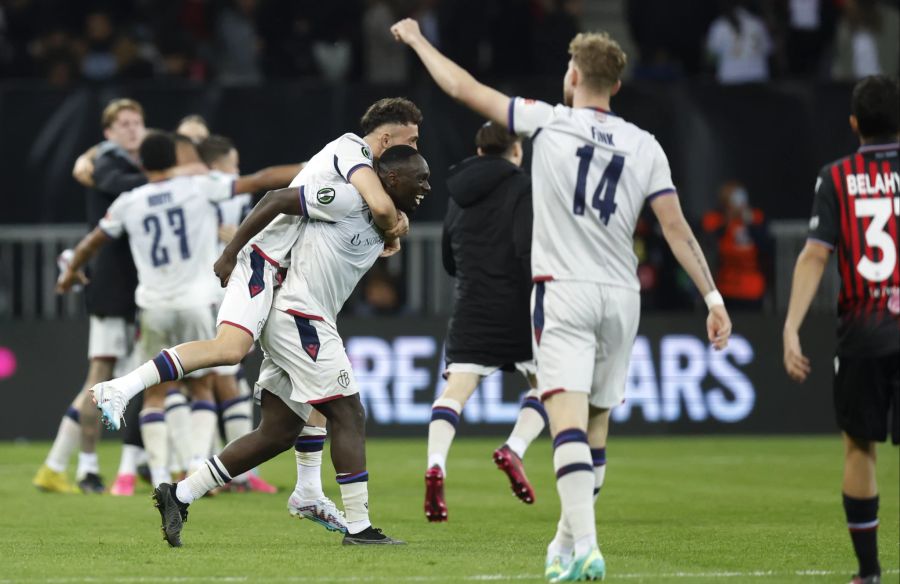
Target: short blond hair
{"x":599,"y":58}
{"x":117,"y":106}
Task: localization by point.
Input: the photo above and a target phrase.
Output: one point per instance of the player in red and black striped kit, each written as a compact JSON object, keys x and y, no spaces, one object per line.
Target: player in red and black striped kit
{"x":856,"y":211}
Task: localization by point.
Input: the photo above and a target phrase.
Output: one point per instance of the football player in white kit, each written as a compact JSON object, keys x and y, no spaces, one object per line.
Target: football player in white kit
{"x":172,"y":230}
{"x":305,"y":363}
{"x":251,"y":284}
{"x":592,"y":173}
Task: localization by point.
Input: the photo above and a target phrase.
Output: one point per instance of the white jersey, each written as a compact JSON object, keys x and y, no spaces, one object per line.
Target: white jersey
{"x":591,"y":173}
{"x":332,"y":165}
{"x":338,"y":243}
{"x":171,"y":229}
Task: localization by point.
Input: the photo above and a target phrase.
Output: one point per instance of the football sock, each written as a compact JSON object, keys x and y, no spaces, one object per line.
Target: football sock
{"x":562,"y":543}
{"x":862,"y":521}
{"x":575,"y":484}
{"x":164,"y":367}
{"x":531,"y":421}
{"x":599,"y":458}
{"x":156,"y":442}
{"x":128,"y":462}
{"x":67,"y":438}
{"x":204,"y":421}
{"x":178,"y":420}
{"x":237,"y":418}
{"x":355,"y":495}
{"x":444,"y":419}
{"x":308,"y":452}
{"x":88,"y":462}
{"x":208,"y":476}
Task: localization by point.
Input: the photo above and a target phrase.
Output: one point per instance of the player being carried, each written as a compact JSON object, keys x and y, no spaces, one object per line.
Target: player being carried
{"x":592,"y":173}
{"x":251,"y":284}
{"x":305,"y":364}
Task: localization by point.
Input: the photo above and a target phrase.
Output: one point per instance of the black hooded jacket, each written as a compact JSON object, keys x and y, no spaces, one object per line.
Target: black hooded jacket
{"x":487,"y":247}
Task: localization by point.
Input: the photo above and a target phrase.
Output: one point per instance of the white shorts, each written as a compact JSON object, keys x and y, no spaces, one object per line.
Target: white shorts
{"x":583,"y":335}
{"x":163,"y":327}
{"x":273,"y":379}
{"x":312,"y":354}
{"x":526,"y":368}
{"x":249,"y":294}
{"x":109,"y":337}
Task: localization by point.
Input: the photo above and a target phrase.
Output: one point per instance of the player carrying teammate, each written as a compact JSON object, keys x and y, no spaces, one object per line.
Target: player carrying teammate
{"x":305,"y":363}
{"x":486,"y":247}
{"x":592,"y":173}
{"x":855,"y":210}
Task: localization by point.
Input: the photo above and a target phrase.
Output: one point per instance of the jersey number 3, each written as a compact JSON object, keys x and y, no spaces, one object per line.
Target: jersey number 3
{"x":604,"y":199}
{"x":879,"y":210}
{"x":159,"y":255}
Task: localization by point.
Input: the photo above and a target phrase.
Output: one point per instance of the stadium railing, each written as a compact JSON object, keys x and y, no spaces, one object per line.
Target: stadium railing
{"x":28,"y":270}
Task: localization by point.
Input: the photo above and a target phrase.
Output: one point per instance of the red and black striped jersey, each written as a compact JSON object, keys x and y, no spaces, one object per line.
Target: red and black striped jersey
{"x":856,"y":211}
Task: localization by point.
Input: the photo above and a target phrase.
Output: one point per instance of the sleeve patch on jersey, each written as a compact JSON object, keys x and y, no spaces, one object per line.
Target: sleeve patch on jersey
{"x":326,"y":195}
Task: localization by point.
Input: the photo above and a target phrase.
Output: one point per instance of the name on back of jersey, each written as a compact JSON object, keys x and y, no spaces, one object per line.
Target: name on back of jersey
{"x":884,"y":183}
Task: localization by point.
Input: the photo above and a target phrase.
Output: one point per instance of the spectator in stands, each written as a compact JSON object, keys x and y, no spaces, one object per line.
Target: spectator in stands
{"x":739,"y":235}
{"x":740,"y":44}
{"x":867,"y":40}
{"x":560,"y":23}
{"x":99,"y":62}
{"x":237,"y":44}
{"x":380,"y":296}
{"x":809,"y":32}
{"x":384,"y":60}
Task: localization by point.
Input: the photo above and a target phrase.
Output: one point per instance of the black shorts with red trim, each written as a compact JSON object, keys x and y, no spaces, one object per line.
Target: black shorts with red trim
{"x":867,"y":397}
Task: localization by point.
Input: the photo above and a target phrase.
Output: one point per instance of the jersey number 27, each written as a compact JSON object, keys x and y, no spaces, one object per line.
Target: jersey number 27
{"x":604,"y":199}
{"x":159,"y":255}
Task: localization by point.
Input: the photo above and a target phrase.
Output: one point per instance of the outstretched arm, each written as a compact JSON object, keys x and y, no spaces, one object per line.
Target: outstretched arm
{"x":453,"y":79}
{"x":687,"y":251}
{"x":285,"y":201}
{"x":271,"y":177}
{"x":807,"y":276}
{"x":84,"y":251}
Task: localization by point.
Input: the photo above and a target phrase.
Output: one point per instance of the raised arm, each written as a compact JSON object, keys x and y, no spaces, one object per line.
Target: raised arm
{"x":83,"y":171}
{"x":687,"y":251}
{"x":84,"y":251}
{"x":271,"y":177}
{"x":807,"y":276}
{"x":285,"y":201}
{"x":453,"y":79}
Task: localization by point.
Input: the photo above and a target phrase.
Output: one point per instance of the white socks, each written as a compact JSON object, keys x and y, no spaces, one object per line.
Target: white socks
{"x":441,"y":431}
{"x":67,"y":439}
{"x":531,"y":421}
{"x":204,"y":421}
{"x":156,"y":443}
{"x":355,"y":495}
{"x":211,"y":474}
{"x":598,"y":456}
{"x":88,"y":462}
{"x":178,"y":420}
{"x":237,"y":417}
{"x":164,"y":367}
{"x":128,"y":462}
{"x":575,"y":484}
{"x":308,"y":452}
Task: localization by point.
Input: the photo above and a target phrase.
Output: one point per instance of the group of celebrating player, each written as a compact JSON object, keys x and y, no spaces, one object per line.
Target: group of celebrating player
{"x":296,"y":257}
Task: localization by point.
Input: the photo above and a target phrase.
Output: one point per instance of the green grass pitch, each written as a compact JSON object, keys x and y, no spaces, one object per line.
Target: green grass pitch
{"x":747,"y":509}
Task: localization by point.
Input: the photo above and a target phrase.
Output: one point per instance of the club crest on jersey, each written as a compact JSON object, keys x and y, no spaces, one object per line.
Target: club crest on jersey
{"x":366,"y":152}
{"x":343,"y":379}
{"x":325,"y":195}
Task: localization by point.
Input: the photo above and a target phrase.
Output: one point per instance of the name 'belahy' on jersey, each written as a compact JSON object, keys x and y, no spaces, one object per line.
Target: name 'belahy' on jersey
{"x":592,"y":172}
{"x":171,"y":229}
{"x":333,"y":165}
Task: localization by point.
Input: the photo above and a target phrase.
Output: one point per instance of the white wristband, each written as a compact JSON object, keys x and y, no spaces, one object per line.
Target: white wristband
{"x":714,"y":298}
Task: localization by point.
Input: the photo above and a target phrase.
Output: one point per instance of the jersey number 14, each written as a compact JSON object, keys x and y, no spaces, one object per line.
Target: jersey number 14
{"x":604,"y":199}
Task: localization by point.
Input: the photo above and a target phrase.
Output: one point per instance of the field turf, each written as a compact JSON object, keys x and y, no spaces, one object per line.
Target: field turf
{"x":683,"y":510}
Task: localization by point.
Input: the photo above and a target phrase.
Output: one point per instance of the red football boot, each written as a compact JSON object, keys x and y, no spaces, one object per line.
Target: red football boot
{"x":509,"y":462}
{"x":435,"y":507}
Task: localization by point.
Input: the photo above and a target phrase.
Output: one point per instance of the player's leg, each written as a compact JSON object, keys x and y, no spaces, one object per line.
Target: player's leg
{"x":276,"y":433}
{"x":178,"y":422}
{"x":88,"y":473}
{"x":860,"y":493}
{"x":598,"y":430}
{"x":236,"y":414}
{"x":348,"y":454}
{"x":308,"y":454}
{"x":51,"y":476}
{"x":530,"y":422}
{"x":462,"y":379}
{"x":132,"y":453}
{"x":155,"y":433}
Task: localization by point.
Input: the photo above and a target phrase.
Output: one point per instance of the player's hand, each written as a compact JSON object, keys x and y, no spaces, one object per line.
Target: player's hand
{"x":70,"y":278}
{"x":406,"y":31}
{"x":83,"y":171}
{"x":795,"y":362}
{"x":400,"y":229}
{"x":224,"y":266}
{"x":391,"y":246}
{"x":718,"y":327}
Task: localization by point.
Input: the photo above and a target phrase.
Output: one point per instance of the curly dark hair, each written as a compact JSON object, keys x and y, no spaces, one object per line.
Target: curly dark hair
{"x":390,"y":110}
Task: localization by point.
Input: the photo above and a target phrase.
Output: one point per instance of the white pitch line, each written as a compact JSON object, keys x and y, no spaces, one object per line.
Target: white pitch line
{"x":373,"y":578}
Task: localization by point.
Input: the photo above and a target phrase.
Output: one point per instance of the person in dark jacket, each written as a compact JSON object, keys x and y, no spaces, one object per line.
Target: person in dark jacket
{"x":487,"y":247}
{"x":109,"y":297}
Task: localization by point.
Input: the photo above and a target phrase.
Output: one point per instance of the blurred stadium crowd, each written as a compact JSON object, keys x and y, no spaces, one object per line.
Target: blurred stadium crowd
{"x":248,"y":41}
